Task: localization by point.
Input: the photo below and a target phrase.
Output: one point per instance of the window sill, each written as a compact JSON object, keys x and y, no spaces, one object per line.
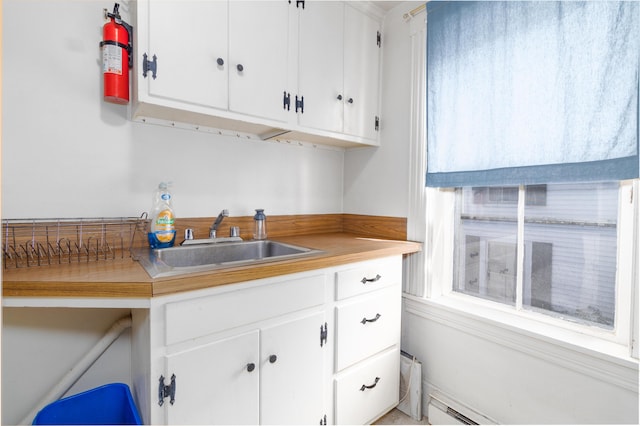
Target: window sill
{"x":581,"y":352}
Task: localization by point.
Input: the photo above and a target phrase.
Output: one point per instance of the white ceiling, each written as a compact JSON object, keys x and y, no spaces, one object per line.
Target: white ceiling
{"x":386,"y":5}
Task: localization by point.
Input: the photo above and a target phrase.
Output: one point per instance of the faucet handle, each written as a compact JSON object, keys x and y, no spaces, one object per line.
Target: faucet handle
{"x":188,"y":234}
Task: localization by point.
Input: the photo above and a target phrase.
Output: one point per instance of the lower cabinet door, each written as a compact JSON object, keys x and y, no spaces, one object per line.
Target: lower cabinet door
{"x":369,"y":389}
{"x":292,"y":372}
{"x":217,"y":383}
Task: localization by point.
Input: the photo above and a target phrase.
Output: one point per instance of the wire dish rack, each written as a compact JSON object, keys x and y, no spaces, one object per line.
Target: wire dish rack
{"x":40,"y":242}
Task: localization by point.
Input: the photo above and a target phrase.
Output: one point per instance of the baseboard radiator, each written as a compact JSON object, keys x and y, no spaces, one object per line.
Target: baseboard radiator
{"x":444,"y":411}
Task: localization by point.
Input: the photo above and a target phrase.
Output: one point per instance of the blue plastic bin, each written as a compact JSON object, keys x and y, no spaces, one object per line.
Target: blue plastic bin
{"x":110,"y":404}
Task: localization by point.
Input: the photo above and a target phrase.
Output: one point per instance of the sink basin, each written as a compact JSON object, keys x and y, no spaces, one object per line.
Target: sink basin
{"x":205,"y":257}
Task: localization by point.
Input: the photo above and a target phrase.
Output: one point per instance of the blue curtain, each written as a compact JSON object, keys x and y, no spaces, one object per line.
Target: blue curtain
{"x":524,"y":92}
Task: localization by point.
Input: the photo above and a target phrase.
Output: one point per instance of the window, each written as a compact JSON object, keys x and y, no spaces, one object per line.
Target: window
{"x":568,"y":236}
{"x":435,"y":278}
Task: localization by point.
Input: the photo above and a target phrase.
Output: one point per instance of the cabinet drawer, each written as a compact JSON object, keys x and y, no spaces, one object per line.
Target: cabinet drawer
{"x":367,"y":326}
{"x":194,"y":318}
{"x":368,"y":390}
{"x":368,"y":276}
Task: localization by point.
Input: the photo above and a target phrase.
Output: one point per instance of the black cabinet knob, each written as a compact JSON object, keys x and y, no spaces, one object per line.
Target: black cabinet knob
{"x":239,"y":67}
{"x":250,"y":367}
{"x":350,"y":100}
{"x":220,"y":61}
{"x":273,"y":358}
{"x":339,"y":97}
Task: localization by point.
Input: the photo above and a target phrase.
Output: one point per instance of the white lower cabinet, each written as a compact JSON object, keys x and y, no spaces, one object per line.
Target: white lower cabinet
{"x":368,"y":390}
{"x":367,"y":356}
{"x":267,"y":376}
{"x":215,"y":383}
{"x":285,"y":350}
{"x":366,"y":326}
{"x":291,"y":372}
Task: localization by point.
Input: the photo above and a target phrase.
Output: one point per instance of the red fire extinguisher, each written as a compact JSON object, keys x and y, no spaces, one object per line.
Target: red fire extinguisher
{"x":116,"y":57}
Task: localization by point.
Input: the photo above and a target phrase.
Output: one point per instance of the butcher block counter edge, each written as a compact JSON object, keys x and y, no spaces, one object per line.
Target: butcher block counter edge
{"x":127,"y":280}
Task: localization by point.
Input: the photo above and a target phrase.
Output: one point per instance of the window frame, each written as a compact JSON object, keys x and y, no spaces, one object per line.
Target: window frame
{"x":441,"y":282}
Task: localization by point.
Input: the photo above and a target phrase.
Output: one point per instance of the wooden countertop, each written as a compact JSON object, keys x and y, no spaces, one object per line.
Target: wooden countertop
{"x":126,"y":278}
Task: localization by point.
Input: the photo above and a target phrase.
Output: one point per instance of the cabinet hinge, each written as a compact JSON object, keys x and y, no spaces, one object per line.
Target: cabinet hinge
{"x":323,"y":334}
{"x":323,"y":421}
{"x":286,"y":101}
{"x":376,"y":124}
{"x":300,"y":2}
{"x":378,"y":38}
{"x":148,"y":65}
{"x":300,"y":104}
{"x":165,"y":391}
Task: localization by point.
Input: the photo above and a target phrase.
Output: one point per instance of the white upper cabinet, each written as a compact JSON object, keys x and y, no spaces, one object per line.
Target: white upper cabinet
{"x":321,"y":65}
{"x":362,"y":43}
{"x":259,"y":57}
{"x":339,"y":56}
{"x":189,"y":40}
{"x":270,"y":68}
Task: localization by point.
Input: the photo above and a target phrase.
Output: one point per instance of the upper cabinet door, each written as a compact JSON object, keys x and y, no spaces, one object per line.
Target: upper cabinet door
{"x":361,"y":74}
{"x":258,"y":57}
{"x":320,"y":65}
{"x":189,"y":39}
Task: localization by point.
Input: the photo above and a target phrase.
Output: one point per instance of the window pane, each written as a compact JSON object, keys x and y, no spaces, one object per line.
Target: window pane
{"x":486,"y":243}
{"x":570,"y":252}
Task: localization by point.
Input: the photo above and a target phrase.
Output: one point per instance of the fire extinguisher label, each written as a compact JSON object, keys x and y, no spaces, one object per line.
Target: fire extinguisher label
{"x":112,"y":59}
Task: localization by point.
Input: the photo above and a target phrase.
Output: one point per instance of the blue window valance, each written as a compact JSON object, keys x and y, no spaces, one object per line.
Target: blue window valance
{"x":524,"y":92}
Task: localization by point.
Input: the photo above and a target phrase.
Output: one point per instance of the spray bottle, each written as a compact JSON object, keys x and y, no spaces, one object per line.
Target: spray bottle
{"x":163,"y":232}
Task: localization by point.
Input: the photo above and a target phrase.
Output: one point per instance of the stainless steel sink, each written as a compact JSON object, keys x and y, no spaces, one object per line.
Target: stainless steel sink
{"x":205,"y":257}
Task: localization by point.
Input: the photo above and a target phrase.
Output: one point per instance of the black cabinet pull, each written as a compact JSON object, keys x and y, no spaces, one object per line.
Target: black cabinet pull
{"x":365,"y":320}
{"x":239,"y":67}
{"x":365,"y":280}
{"x":273,"y":358}
{"x":364,"y":387}
{"x":339,"y":97}
{"x":350,"y":100}
{"x":220,"y":61}
{"x":250,"y":367}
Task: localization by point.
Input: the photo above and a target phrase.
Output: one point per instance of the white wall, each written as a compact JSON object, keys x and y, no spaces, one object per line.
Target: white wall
{"x":66,"y":153}
{"x":517,"y":377}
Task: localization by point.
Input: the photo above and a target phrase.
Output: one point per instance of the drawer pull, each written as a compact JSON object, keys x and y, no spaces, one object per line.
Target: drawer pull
{"x":365,"y":320}
{"x":250,"y":367}
{"x":370,"y":386}
{"x":370,"y":280}
{"x":273,"y":358}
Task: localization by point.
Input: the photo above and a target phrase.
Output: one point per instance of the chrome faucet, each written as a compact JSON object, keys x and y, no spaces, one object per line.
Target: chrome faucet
{"x":214,"y":228}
